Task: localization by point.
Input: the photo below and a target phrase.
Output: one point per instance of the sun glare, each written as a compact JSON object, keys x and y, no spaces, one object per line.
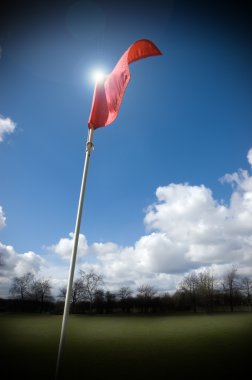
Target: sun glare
{"x":98,"y":76}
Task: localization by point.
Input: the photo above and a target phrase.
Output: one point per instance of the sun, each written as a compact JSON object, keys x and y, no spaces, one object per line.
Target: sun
{"x":98,"y":76}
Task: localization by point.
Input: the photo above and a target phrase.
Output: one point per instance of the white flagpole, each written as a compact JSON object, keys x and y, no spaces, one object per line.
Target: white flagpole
{"x":74,"y":250}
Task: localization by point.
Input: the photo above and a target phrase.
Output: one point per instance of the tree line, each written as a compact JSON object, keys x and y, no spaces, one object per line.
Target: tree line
{"x":197,"y":292}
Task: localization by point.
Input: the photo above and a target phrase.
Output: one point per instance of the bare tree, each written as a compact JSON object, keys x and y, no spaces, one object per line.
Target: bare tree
{"x":91,"y":282}
{"x":125,"y":295}
{"x":246,"y":286}
{"x":62,"y":292}
{"x":99,"y":300}
{"x":205,"y":289}
{"x":21,"y":286}
{"x":110,"y":299}
{"x":145,"y":295}
{"x":41,"y":291}
{"x":231,"y":286}
{"x":189,"y":286}
{"x":146,"y":291}
{"x":77,"y":292}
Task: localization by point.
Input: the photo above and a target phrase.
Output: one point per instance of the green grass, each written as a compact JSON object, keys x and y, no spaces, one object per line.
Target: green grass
{"x":110,"y":347}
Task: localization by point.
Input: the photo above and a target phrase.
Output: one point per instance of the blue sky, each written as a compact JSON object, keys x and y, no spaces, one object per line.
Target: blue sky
{"x":185,"y":122}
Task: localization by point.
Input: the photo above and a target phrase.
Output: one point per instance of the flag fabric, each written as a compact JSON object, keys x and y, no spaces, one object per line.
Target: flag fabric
{"x":108,"y":95}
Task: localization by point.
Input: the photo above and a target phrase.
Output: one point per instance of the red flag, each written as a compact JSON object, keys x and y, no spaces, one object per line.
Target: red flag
{"x":108,"y":95}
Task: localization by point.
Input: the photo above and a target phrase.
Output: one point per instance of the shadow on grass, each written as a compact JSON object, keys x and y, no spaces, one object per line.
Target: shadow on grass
{"x":111,"y":348}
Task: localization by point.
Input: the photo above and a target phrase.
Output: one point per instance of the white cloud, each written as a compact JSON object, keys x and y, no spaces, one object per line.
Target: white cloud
{"x":132,"y":266}
{"x":2,"y":218}
{"x":208,"y":231}
{"x":28,"y":262}
{"x":249,"y":156}
{"x":187,"y":229}
{"x":64,"y":246}
{"x":7,"y":126}
{"x":16,"y":264}
{"x":159,"y":254}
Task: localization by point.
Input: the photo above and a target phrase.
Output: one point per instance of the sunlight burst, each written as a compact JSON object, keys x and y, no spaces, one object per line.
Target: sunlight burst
{"x":98,"y":76}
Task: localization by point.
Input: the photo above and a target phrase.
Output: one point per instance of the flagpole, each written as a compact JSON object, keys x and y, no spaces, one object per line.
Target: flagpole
{"x":89,"y":147}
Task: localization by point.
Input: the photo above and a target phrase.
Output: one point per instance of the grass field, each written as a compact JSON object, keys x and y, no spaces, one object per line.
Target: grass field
{"x":134,"y":347}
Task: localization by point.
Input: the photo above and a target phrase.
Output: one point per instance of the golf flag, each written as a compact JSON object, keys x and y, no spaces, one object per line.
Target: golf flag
{"x":107,"y":99}
{"x":108,"y":95}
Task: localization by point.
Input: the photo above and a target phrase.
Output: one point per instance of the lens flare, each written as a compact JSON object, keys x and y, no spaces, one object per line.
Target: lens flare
{"x":98,"y":76}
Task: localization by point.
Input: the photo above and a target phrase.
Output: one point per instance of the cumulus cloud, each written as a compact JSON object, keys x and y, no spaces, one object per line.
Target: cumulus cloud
{"x":16,"y":264}
{"x":2,"y":218}
{"x":249,"y":156}
{"x":145,"y":262}
{"x":207,"y":231}
{"x":64,"y":246}
{"x":7,"y":126}
{"x":157,"y":253}
{"x":186,"y":229}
